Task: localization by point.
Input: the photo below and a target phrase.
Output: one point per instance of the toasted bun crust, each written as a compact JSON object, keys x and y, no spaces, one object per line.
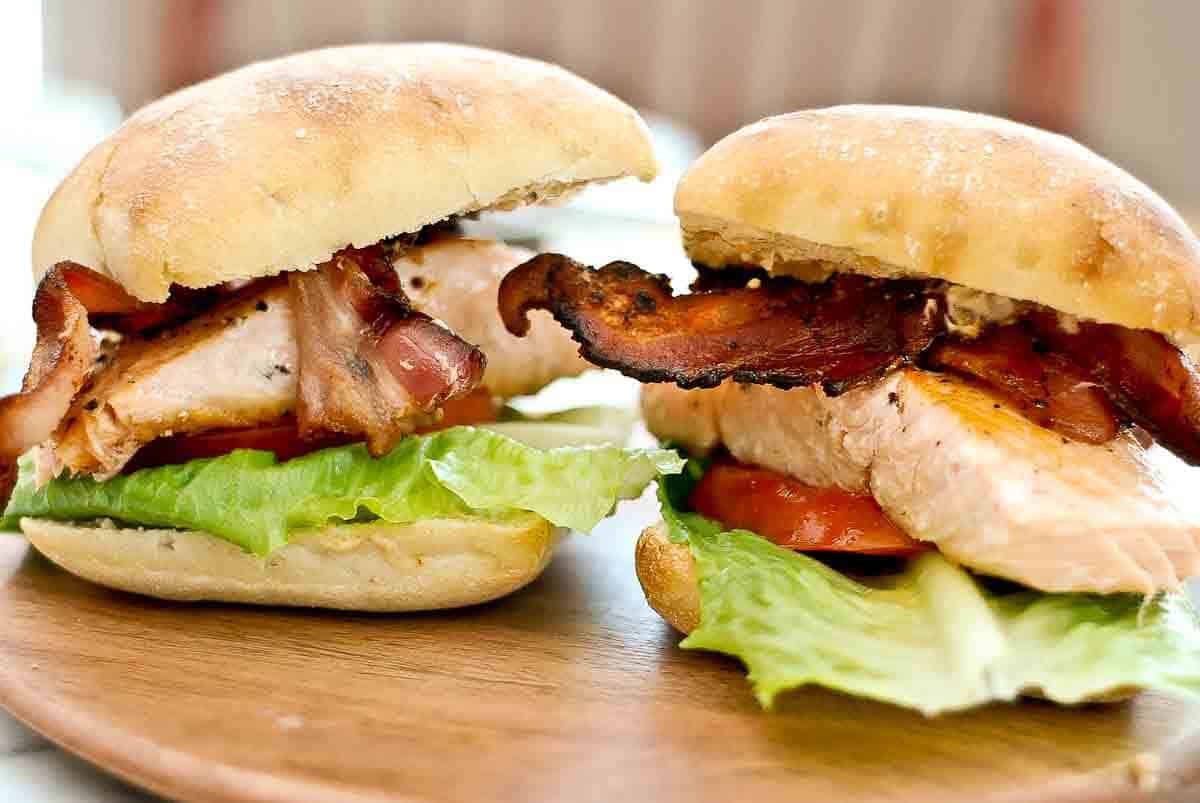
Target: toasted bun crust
{"x":975,"y":200}
{"x":275,"y":166}
{"x":361,"y":567}
{"x":668,"y":577}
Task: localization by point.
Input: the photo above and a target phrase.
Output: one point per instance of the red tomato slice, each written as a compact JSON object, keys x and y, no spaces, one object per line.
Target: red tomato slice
{"x":284,"y":439}
{"x":798,"y":516}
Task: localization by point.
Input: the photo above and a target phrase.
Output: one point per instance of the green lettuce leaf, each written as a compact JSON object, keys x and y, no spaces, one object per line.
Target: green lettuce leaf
{"x":250,"y":499}
{"x":932,"y":638}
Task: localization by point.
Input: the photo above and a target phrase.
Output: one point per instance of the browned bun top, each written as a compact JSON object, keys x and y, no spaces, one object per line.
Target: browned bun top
{"x":975,"y":200}
{"x":275,"y":166}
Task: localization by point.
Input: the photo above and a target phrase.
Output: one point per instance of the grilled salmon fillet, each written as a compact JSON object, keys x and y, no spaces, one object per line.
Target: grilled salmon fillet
{"x":954,"y":465}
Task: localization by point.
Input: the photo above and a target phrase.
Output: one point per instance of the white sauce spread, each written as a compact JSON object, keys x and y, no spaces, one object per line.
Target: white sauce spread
{"x":969,"y":311}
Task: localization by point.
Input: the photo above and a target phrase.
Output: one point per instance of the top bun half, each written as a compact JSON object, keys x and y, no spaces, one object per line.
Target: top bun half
{"x":899,"y":191}
{"x":277,"y":165}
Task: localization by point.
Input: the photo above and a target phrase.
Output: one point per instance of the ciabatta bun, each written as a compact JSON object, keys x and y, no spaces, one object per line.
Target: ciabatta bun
{"x":429,"y":565}
{"x":275,"y":166}
{"x":898,"y":191}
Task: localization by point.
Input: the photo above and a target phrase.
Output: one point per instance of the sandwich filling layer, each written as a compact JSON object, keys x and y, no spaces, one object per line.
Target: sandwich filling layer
{"x":250,"y":411}
{"x":1022,"y":443}
{"x":953,"y":465}
{"x":1083,"y":380}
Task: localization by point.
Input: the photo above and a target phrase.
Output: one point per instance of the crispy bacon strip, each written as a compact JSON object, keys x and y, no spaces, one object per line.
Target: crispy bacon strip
{"x":1047,"y":388}
{"x":371,"y":365}
{"x":111,"y":308}
{"x":1083,"y":382}
{"x":1153,"y":382}
{"x":786,"y":333}
{"x":62,"y":357}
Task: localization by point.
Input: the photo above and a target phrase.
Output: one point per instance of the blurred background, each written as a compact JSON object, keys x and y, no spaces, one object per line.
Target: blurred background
{"x":1117,"y":76}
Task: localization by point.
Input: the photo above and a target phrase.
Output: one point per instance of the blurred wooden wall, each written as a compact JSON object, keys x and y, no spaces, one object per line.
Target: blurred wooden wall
{"x":715,"y":65}
{"x":1118,"y":75}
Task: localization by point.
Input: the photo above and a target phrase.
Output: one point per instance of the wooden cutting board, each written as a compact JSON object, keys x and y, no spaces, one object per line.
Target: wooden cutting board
{"x":570,"y":690}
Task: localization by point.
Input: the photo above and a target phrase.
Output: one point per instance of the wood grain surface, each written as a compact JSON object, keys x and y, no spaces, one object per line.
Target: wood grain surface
{"x":570,"y":690}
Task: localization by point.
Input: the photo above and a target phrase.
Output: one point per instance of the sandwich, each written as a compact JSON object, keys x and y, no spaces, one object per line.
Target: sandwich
{"x":269,"y":369}
{"x":936,"y":381}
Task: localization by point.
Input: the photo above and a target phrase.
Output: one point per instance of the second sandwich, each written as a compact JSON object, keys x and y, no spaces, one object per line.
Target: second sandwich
{"x":935,"y":379}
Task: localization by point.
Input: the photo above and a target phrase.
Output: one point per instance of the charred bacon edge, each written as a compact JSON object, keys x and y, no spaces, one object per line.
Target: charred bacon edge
{"x":1149,"y":379}
{"x":627,"y":319}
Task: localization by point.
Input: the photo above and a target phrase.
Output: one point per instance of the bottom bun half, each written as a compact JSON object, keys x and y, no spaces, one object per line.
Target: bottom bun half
{"x":668,"y":577}
{"x":428,"y":565}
